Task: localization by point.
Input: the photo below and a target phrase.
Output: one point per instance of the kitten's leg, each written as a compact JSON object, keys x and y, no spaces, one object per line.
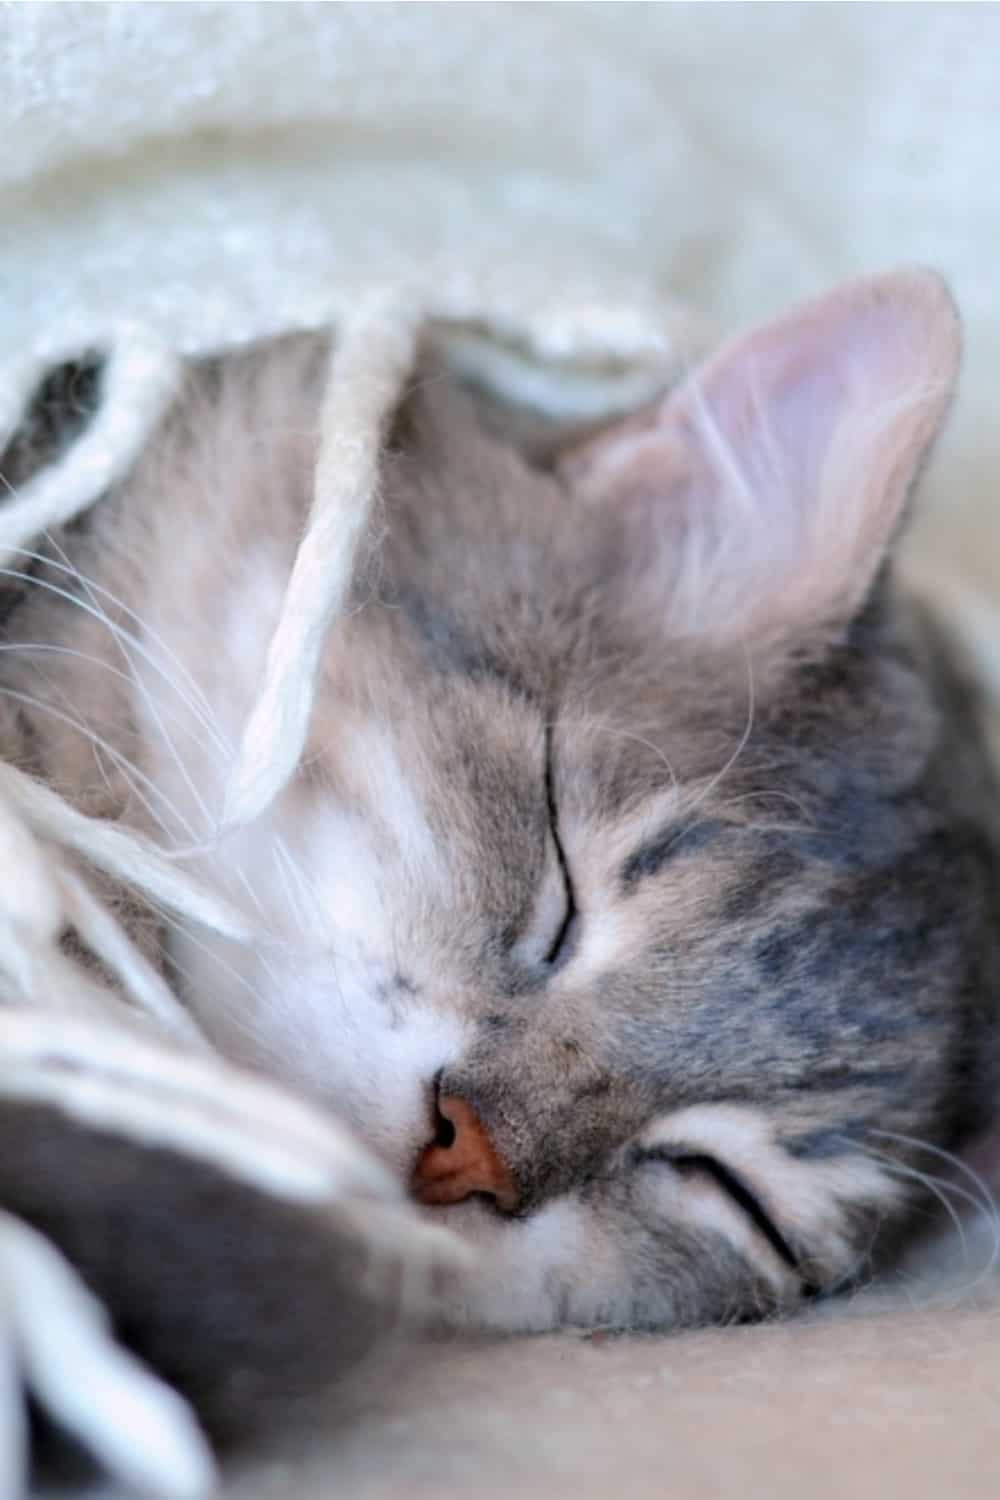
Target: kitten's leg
{"x":246,"y":1249}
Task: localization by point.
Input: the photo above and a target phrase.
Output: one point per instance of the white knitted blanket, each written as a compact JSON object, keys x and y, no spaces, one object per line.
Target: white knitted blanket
{"x":579,"y":192}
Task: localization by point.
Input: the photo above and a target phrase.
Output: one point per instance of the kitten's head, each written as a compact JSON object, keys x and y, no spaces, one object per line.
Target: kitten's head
{"x":625,"y":904}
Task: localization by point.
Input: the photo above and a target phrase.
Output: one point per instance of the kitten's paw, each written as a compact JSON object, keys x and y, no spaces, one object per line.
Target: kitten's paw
{"x":56,"y":1345}
{"x":247,"y":1249}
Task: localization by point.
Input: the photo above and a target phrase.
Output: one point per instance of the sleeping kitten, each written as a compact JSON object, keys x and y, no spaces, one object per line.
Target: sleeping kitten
{"x":636,"y":897}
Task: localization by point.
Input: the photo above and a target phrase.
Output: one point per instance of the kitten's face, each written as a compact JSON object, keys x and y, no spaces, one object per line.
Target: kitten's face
{"x":621,"y":935}
{"x":622,"y":901}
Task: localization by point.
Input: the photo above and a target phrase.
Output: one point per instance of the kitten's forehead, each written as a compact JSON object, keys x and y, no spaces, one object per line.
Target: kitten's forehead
{"x":493,"y":666}
{"x":484,"y":556}
{"x":495,"y":571}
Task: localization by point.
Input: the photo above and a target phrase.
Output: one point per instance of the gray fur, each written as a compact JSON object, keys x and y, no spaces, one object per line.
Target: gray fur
{"x":811,"y":921}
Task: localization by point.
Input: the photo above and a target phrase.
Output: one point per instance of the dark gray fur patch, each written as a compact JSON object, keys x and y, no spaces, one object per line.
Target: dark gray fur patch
{"x":820,"y":1145}
{"x":241,"y":1300}
{"x":672,"y":842}
{"x":452,"y":646}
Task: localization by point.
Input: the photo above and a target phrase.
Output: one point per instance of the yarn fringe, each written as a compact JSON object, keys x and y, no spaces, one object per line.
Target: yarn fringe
{"x":42,"y":836}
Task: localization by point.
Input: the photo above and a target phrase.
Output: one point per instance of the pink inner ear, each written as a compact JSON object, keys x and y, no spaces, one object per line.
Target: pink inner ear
{"x":779,"y":470}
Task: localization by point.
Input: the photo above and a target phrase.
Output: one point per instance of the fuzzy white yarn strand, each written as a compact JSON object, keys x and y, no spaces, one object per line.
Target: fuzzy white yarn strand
{"x":104,"y":935}
{"x":62,"y":1342}
{"x":32,"y":901}
{"x":138,"y":381}
{"x":372,"y":357}
{"x":119,"y":1080}
{"x":46,"y":895}
{"x":13,"y":1417}
{"x":124,"y":856}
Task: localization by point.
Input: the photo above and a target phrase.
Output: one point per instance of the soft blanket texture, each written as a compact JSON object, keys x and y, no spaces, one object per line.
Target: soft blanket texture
{"x":581,"y":193}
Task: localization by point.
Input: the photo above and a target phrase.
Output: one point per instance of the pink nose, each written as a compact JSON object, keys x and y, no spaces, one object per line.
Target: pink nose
{"x":469,"y":1164}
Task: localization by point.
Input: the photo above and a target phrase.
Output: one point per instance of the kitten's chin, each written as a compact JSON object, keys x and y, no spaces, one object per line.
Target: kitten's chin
{"x":525,"y":1275}
{"x":475,"y":1220}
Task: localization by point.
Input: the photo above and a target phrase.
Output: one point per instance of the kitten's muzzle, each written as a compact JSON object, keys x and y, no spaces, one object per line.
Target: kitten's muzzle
{"x":462,"y":1160}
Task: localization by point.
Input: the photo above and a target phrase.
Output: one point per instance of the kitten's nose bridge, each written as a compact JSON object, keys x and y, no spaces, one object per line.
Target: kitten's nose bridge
{"x":463,"y":1161}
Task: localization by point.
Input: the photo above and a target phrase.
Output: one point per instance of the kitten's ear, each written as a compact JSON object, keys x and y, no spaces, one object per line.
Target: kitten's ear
{"x":774,"y":478}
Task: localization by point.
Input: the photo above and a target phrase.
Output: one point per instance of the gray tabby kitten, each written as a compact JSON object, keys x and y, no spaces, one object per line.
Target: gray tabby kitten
{"x":636,"y":897}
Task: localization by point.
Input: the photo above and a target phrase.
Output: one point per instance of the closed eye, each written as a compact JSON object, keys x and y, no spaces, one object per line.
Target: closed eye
{"x":550,"y":937}
{"x":563,"y":939}
{"x":689,"y":1163}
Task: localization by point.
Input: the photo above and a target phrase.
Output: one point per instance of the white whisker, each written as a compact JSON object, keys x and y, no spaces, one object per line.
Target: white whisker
{"x":978,"y":1196}
{"x":934,"y":1185}
{"x":49,"y":648}
{"x":152,"y":707}
{"x":771,"y":794}
{"x":638,"y":739}
{"x":301,"y":898}
{"x":94,"y":588}
{"x":987,"y":1200}
{"x":104,"y":935}
{"x":706,"y":791}
{"x":118,"y":631}
{"x":129,"y":770}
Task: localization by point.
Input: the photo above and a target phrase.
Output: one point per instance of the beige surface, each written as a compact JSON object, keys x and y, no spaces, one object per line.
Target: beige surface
{"x":901,"y":1404}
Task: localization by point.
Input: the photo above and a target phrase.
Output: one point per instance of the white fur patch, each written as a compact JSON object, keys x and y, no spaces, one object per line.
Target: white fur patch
{"x":371,"y":762}
{"x":530,"y":1274}
{"x":330,"y":1029}
{"x":338,"y":998}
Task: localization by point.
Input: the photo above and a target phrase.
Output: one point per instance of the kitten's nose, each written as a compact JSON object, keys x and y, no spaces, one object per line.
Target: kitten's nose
{"x":462,"y":1161}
